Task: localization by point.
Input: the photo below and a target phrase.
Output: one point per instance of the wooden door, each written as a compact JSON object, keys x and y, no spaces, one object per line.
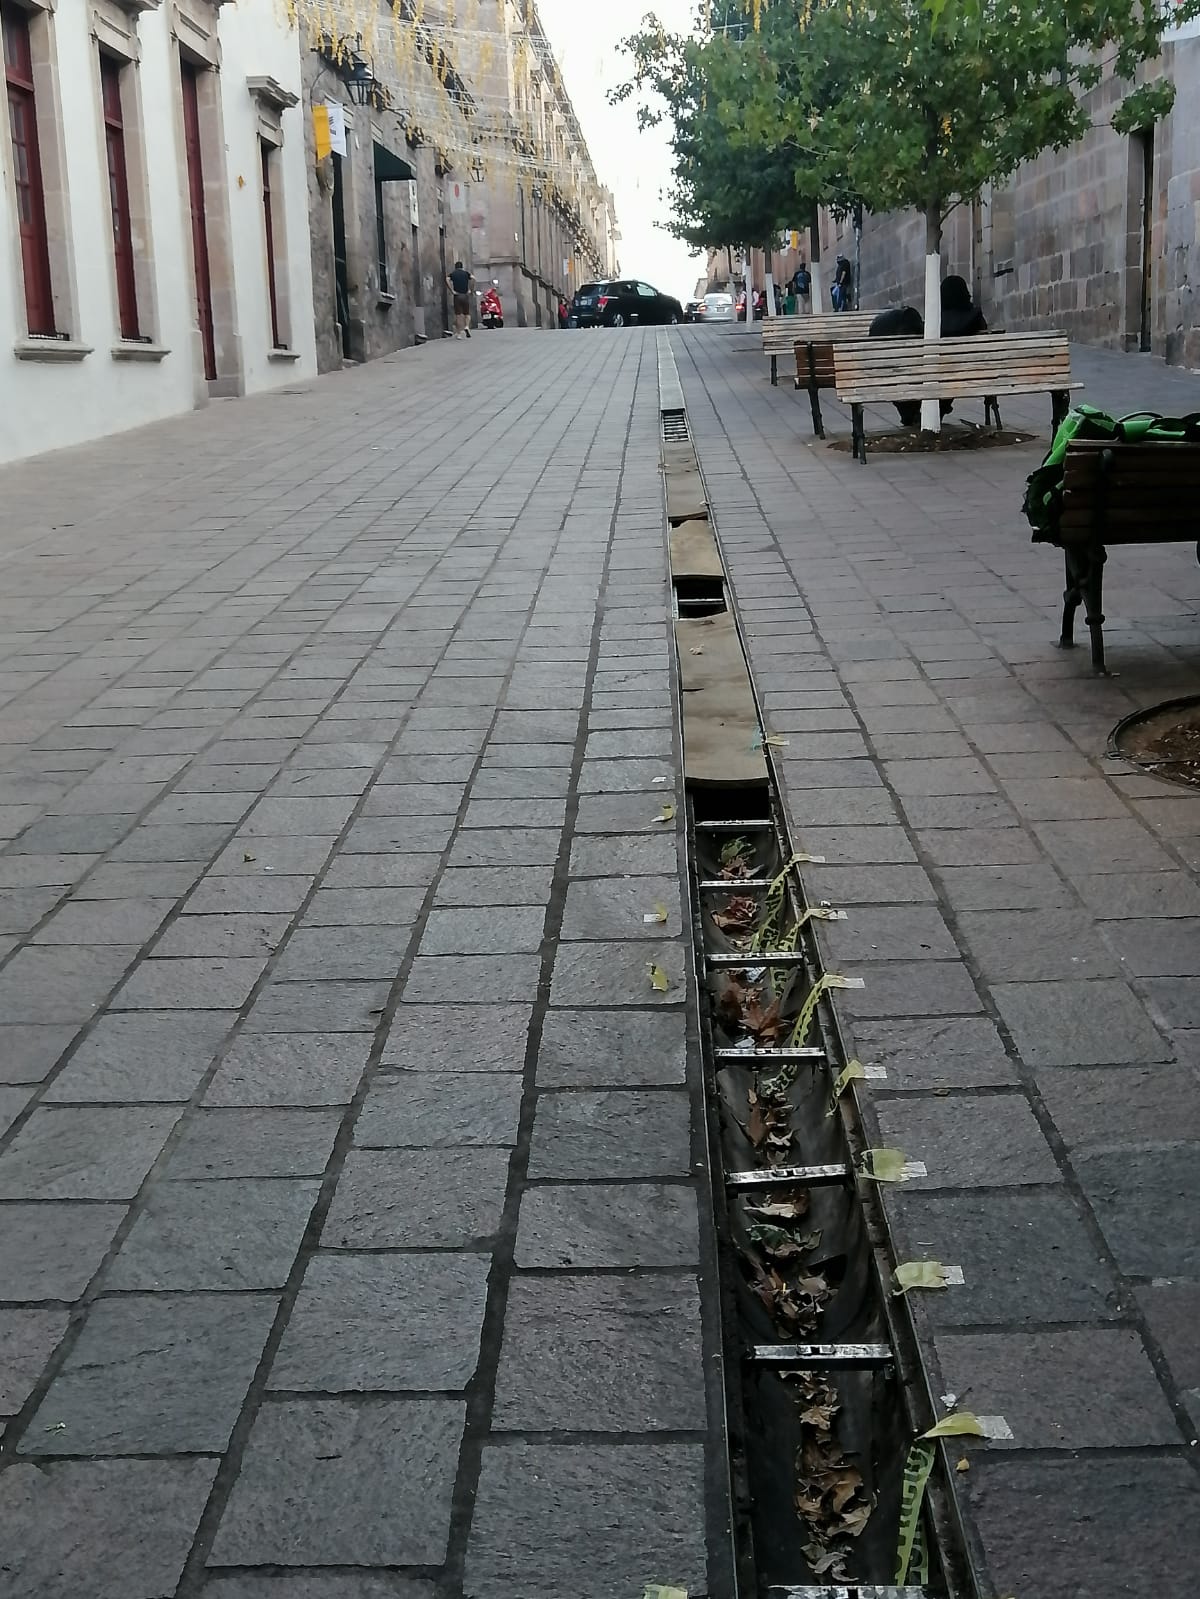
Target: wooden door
{"x":27,"y":168}
{"x":195,"y":174}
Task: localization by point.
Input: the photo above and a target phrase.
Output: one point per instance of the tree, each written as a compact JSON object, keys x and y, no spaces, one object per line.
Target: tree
{"x":922,"y":103}
{"x":724,"y":192}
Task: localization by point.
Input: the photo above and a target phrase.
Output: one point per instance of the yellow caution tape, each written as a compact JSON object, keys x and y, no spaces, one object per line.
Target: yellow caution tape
{"x":917,"y":1469}
{"x":667,"y":814}
{"x":658,"y":979}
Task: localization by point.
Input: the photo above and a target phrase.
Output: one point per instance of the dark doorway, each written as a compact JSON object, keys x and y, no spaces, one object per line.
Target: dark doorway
{"x":1146,"y":140}
{"x":442,"y":259}
{"x":341,"y":273}
{"x":190,"y":79}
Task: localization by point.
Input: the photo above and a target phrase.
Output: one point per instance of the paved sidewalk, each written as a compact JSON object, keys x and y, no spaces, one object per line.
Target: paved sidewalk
{"x":349,"y":1174}
{"x":1026,"y":915}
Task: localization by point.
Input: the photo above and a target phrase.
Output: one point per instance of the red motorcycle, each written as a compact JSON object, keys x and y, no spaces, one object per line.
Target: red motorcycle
{"x":491,"y":312}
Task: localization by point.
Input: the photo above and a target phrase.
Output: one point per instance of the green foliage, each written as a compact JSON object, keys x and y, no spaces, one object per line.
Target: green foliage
{"x":785,"y":104}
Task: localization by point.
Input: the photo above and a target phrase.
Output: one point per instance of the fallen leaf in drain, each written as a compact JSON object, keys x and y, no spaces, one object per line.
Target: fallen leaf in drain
{"x":777,"y":1243}
{"x":783,"y":1209}
{"x":962,"y":1465}
{"x":658,"y":979}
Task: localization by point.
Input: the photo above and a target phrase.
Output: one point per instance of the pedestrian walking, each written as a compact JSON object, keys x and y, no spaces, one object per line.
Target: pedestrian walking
{"x":801,"y":286}
{"x":843,"y":285}
{"x":460,"y":281}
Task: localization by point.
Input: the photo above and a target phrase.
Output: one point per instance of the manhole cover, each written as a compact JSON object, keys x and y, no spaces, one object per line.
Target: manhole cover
{"x":1165,"y":740}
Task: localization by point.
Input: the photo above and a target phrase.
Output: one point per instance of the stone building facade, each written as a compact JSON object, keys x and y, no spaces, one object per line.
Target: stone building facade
{"x":1101,"y":240}
{"x":460,"y":144}
{"x":153,"y":224}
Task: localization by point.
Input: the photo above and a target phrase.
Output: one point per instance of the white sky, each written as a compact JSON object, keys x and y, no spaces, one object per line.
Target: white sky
{"x":636,"y":166}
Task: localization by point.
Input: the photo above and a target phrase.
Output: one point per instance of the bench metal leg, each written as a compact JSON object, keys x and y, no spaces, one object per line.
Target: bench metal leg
{"x":1085,"y":583}
{"x":774,"y":371}
{"x":1060,"y":404}
{"x":859,"y":434}
{"x":991,"y":410}
{"x":814,"y":397}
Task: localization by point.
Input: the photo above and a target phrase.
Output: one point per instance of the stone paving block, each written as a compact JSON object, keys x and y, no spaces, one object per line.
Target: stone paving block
{"x":341,"y":1482}
{"x":958,"y":810}
{"x":21,"y":909}
{"x":625,"y":813}
{"x":61,"y":985}
{"x":239,"y":935}
{"x":294,"y":1584}
{"x":1114,"y":1107}
{"x":1171,"y":1311}
{"x":859,"y":846}
{"x":27,"y":1340}
{"x":216,"y":1144}
{"x":617,"y":1048}
{"x":113,"y":921}
{"x":597,"y":973}
{"x":13,"y":1100}
{"x":1156,"y":947}
{"x":458,"y":1037}
{"x":1009,"y":888}
{"x":910,"y":988}
{"x":53,"y":1251}
{"x":1093,"y":1388}
{"x":874,"y":933}
{"x":207,"y":982}
{"x":337,"y":1007}
{"x":1097,"y":1023}
{"x":1059,"y":1530}
{"x":625,"y":855}
{"x":1084,"y":849}
{"x":177,"y":841}
{"x":475,"y":979}
{"x":601,"y":1354}
{"x":493,"y":813}
{"x":309,"y":1068}
{"x":636,"y":1509}
{"x":370,"y":1323}
{"x":1120,"y":895}
{"x":234,"y":896}
{"x":487,"y":930}
{"x":264,"y":859}
{"x":971,"y":847}
{"x":610,"y":1134}
{"x":162,"y":1374}
{"x":417,"y":1199}
{"x":142,"y":1056}
{"x":279,"y":817}
{"x":1031,"y":946}
{"x":190,"y":1236}
{"x":630,"y":775}
{"x":28,"y":1053}
{"x":93,"y":1152}
{"x":868,"y":885}
{"x":1027,"y":1257}
{"x":605,"y":1224}
{"x":495,"y":885}
{"x":1145,"y":1203}
{"x":104,"y":1528}
{"x":352,"y":953}
{"x":1174,"y":1001}
{"x":617,"y":907}
{"x":440,"y":1110}
{"x":982,"y":1141}
{"x":522,"y":783}
{"x":504,"y":847}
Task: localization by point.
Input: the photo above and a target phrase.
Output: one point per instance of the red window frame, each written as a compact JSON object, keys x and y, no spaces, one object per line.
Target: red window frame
{"x":118,"y":194}
{"x":27,"y":171}
{"x":266,"y":151}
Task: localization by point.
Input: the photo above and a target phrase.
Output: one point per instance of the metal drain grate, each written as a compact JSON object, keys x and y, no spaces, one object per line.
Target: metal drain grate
{"x":675,"y":428}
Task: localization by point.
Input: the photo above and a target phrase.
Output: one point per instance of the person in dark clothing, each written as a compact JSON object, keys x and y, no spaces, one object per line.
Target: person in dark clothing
{"x":960,"y":315}
{"x":460,"y":281}
{"x":842,"y":293}
{"x":903,"y":323}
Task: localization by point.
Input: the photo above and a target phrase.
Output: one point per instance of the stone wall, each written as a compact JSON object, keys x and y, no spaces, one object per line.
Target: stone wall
{"x":1061,"y":244}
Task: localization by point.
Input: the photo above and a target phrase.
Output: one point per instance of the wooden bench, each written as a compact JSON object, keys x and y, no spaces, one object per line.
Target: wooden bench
{"x":987,"y":366}
{"x":1145,"y":492}
{"x":780,"y":334}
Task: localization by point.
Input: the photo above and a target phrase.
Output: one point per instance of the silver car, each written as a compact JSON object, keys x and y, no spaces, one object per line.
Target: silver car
{"x":716,"y":308}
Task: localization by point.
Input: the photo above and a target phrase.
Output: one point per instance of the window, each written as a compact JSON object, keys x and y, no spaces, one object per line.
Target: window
{"x":27,"y":171}
{"x":381,"y":237}
{"x":266,"y":154}
{"x":118,"y":193}
{"x":646,"y":292}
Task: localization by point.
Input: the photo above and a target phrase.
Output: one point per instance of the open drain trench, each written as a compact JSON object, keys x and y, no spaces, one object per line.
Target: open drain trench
{"x":824,"y":1390}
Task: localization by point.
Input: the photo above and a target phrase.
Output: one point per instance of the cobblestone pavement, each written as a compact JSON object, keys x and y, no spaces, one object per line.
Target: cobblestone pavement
{"x":1026,"y":914}
{"x":349,"y":1183}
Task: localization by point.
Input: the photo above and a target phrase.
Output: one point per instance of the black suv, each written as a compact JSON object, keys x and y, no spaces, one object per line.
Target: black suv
{"x":622,"y":303}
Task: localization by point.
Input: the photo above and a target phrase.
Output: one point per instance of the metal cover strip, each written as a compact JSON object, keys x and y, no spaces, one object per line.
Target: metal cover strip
{"x":789,"y":1177}
{"x":735,"y":827}
{"x":781,"y":1056}
{"x":851,"y":1357}
{"x":733,"y":885}
{"x":766,"y":957}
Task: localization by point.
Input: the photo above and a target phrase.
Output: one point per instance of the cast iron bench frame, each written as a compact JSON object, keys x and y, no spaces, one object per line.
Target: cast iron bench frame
{"x":1143,"y":491}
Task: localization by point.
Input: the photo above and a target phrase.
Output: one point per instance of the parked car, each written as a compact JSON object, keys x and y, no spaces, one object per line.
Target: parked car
{"x":584,"y":312}
{"x":628,"y":301}
{"x":716,"y":308}
{"x":693,"y":311}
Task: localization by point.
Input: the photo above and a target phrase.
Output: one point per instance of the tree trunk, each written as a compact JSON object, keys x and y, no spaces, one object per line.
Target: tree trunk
{"x":814,"y":267}
{"x":769,"y":278}
{"x":931,"y":411}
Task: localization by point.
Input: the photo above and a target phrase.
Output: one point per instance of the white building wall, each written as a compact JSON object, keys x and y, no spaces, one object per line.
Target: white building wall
{"x":48,"y":404}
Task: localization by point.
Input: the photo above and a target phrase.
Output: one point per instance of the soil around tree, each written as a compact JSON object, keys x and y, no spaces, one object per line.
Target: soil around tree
{"x":1164,"y":741}
{"x":953,"y":436}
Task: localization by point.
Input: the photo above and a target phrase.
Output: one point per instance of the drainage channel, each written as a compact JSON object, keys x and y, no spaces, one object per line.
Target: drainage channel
{"x":835,"y":1495}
